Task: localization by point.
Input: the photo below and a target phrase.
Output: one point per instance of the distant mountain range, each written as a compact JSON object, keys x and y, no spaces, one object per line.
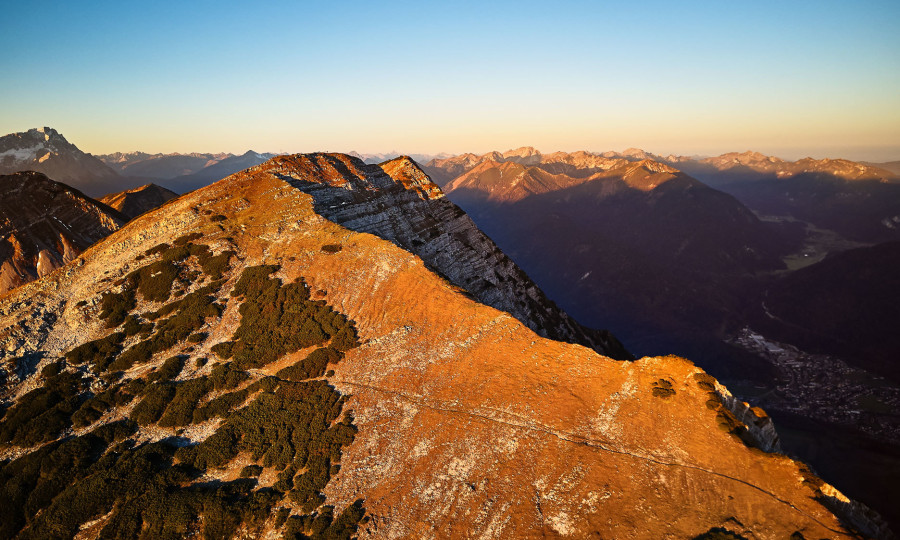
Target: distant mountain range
{"x":159,"y":165}
{"x":46,"y":150}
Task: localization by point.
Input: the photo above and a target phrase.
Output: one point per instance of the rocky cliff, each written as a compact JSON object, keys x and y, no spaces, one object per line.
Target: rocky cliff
{"x":238,"y":364}
{"x":45,"y":224}
{"x":397,"y":201}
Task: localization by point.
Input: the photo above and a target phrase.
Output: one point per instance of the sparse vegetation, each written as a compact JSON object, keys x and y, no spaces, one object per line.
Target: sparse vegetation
{"x":663,"y":388}
{"x":42,"y":414}
{"x":190,"y":315}
{"x":312,"y":366}
{"x":168,"y":371}
{"x":277,"y":319}
{"x":251,"y":471}
{"x":215,"y":266}
{"x":156,"y":398}
{"x":297,"y":427}
{"x":114,"y":307}
{"x":99,"y":353}
{"x":199,"y":337}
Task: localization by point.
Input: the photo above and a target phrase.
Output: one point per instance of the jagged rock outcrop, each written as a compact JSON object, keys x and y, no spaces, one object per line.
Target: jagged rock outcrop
{"x":45,"y":224}
{"x":134,"y":202}
{"x":398,"y":202}
{"x":464,"y":422}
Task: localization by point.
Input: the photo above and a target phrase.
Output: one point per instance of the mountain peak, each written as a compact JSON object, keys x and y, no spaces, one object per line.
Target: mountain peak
{"x":522,"y":151}
{"x":653,"y":167}
{"x":410,"y":175}
{"x":46,"y":150}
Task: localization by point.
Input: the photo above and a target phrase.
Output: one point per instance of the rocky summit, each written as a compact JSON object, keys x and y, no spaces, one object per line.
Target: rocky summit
{"x":134,"y":202}
{"x":276,"y":354}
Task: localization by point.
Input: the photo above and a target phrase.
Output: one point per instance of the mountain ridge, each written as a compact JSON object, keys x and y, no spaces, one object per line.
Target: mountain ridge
{"x":445,"y":394}
{"x":397,"y":201}
{"x":44,"y":225}
{"x":134,"y":202}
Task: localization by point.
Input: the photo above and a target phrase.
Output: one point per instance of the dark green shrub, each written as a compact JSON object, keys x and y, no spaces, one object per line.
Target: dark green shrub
{"x":114,"y":307}
{"x":251,"y":471}
{"x":312,"y":366}
{"x":198,"y":337}
{"x":169,"y":370}
{"x":181,"y":409}
{"x":277,"y":319}
{"x":227,"y":376}
{"x":705,"y":381}
{"x":663,"y":388}
{"x":200,"y":362}
{"x":216,"y":266}
{"x":718,"y":533}
{"x":217,"y":218}
{"x":95,"y":407}
{"x":345,"y":339}
{"x":157,"y":249}
{"x":43,"y":413}
{"x":223,"y":350}
{"x":138,"y":353}
{"x":281,"y":516}
{"x":183,"y":240}
{"x":154,"y":281}
{"x":220,"y":406}
{"x":133,"y":326}
{"x":331,"y":248}
{"x":176,"y":254}
{"x":156,"y":398}
{"x":190,"y":315}
{"x":99,"y":353}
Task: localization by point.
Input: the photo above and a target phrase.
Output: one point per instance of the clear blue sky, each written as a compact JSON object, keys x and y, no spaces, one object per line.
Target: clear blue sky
{"x":789,"y":78}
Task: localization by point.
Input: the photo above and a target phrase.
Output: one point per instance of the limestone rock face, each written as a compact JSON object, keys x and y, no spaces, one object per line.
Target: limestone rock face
{"x":467,"y":423}
{"x":398,"y":202}
{"x":45,"y":224}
